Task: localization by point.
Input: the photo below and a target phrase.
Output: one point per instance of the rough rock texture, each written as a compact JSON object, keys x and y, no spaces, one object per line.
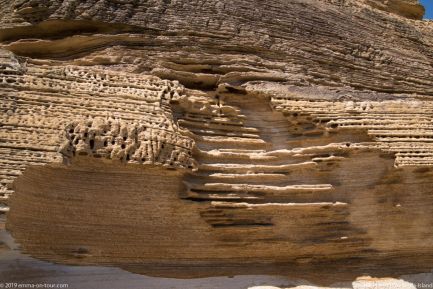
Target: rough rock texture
{"x":203,"y":138}
{"x":407,"y":8}
{"x":81,"y":112}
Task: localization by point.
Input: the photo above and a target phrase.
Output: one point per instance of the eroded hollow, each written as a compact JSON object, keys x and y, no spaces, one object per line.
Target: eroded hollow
{"x":134,"y":217}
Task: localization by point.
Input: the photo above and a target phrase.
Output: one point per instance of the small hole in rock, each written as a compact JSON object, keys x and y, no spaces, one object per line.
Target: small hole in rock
{"x":82,"y":250}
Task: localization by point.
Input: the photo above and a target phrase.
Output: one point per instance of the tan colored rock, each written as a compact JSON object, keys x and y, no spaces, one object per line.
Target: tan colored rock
{"x":184,"y":139}
{"x":408,"y":8}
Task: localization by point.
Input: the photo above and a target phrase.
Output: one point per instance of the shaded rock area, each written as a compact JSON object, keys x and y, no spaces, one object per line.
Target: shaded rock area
{"x":194,"y":139}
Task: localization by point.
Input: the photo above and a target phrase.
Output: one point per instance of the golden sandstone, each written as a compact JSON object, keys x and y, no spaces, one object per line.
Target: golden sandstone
{"x":206,"y":138}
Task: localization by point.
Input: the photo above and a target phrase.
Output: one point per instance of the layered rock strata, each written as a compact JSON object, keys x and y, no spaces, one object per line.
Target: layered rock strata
{"x":187,"y":139}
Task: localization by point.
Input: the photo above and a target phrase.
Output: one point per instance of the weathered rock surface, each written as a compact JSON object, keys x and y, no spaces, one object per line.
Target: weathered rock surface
{"x":407,"y":8}
{"x":206,"y":138}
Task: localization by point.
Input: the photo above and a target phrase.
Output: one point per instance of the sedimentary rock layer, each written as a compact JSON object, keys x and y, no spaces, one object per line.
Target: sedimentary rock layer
{"x":196,"y":139}
{"x":55,"y":111}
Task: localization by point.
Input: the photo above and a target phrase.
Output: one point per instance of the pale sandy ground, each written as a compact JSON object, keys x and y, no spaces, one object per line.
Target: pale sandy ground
{"x":20,"y":269}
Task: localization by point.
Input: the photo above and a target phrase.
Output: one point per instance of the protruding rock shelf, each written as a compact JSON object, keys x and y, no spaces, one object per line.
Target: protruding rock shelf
{"x":183,"y":139}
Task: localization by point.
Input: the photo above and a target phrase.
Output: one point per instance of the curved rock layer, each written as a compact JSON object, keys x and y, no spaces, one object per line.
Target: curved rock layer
{"x":185,"y":139}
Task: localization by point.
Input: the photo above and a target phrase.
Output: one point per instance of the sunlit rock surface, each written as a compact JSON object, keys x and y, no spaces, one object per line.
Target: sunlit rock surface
{"x":186,"y":140}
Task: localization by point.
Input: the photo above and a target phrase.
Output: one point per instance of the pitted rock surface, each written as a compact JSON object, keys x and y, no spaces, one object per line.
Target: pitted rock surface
{"x":206,"y":138}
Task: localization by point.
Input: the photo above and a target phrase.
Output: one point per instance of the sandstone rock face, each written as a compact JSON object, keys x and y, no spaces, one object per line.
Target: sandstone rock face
{"x":205,"y":138}
{"x":407,"y":8}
